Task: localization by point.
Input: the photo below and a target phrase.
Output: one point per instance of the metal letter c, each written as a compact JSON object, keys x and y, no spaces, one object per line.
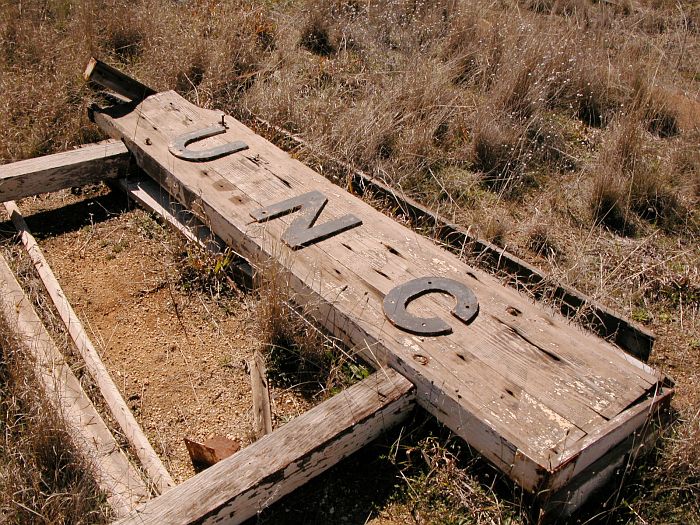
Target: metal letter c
{"x":396,"y":302}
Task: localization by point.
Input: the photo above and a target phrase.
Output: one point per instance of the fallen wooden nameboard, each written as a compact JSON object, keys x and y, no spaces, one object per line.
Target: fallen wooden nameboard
{"x":613,"y":326}
{"x":554,"y":407}
{"x":541,"y":399}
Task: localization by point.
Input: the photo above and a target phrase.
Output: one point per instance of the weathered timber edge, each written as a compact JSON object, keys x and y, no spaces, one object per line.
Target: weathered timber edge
{"x":648,"y":420}
{"x":627,"y":334}
{"x":114,"y":473}
{"x":105,"y":75}
{"x":78,"y":167}
{"x":246,"y":483}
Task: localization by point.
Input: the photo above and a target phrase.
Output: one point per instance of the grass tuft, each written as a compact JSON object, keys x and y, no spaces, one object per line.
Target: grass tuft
{"x":315,"y":37}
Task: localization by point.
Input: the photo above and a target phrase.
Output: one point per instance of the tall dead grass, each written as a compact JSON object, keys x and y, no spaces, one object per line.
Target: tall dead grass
{"x":300,"y":354}
{"x":42,"y":477}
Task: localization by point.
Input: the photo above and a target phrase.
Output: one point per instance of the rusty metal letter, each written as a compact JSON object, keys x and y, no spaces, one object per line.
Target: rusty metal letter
{"x":178,"y":146}
{"x":302,"y":231}
{"x":398,"y":298}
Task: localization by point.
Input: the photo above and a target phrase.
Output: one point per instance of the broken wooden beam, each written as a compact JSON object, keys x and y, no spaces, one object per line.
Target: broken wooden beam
{"x":86,"y":165}
{"x":246,"y":483}
{"x":262,"y":413}
{"x":98,"y":371}
{"x":114,"y":473}
{"x":105,"y":75}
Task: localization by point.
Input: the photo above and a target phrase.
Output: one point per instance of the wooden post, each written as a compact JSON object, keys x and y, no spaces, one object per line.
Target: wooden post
{"x":77,"y":167}
{"x":117,"y":406}
{"x":114,"y":474}
{"x":262,"y":414}
{"x":518,"y":382}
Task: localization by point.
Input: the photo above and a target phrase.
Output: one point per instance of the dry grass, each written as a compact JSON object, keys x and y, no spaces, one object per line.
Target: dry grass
{"x":42,"y":478}
{"x":300,"y":355}
{"x":566,"y":130}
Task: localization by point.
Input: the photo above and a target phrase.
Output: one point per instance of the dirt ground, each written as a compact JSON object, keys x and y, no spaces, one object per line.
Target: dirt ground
{"x":176,"y":351}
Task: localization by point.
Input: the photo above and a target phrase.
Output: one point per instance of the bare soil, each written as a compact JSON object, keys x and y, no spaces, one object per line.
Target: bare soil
{"x":178,"y":353}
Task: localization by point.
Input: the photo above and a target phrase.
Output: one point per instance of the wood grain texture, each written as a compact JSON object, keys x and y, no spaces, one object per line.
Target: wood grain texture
{"x":244,"y":484}
{"x":120,"y":481}
{"x":105,"y":75}
{"x":638,"y":431}
{"x":519,"y":383}
{"x":78,"y":167}
{"x":98,"y":371}
{"x":629,"y":335}
{"x":262,"y":412}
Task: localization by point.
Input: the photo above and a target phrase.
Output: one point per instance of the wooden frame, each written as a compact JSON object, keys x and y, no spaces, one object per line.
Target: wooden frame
{"x":114,"y":474}
{"x":569,"y":470}
{"x":349,"y":420}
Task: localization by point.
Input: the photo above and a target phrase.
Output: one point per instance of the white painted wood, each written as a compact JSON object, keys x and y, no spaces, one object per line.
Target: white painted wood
{"x":98,"y":371}
{"x":114,"y":474}
{"x":239,"y":487}
{"x":77,"y":167}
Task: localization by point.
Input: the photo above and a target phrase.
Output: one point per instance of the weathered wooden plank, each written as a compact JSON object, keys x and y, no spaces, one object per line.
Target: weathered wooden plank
{"x":262,"y":413}
{"x":588,"y":450}
{"x":630,"y":336}
{"x":244,"y":484}
{"x":517,"y":379}
{"x":98,"y":371}
{"x":597,"y":468}
{"x":114,"y":474}
{"x":111,"y":78}
{"x":77,"y":167}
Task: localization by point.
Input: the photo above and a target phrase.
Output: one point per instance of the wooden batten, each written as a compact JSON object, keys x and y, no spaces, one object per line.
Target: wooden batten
{"x":86,"y":165}
{"x":114,"y":473}
{"x":239,"y":487}
{"x":98,"y":371}
{"x":262,"y":412}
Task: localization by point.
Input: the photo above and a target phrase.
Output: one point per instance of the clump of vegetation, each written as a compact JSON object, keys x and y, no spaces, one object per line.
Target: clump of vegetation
{"x":212,"y":273}
{"x":631,"y":184}
{"x":299,"y":354}
{"x":315,"y":36}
